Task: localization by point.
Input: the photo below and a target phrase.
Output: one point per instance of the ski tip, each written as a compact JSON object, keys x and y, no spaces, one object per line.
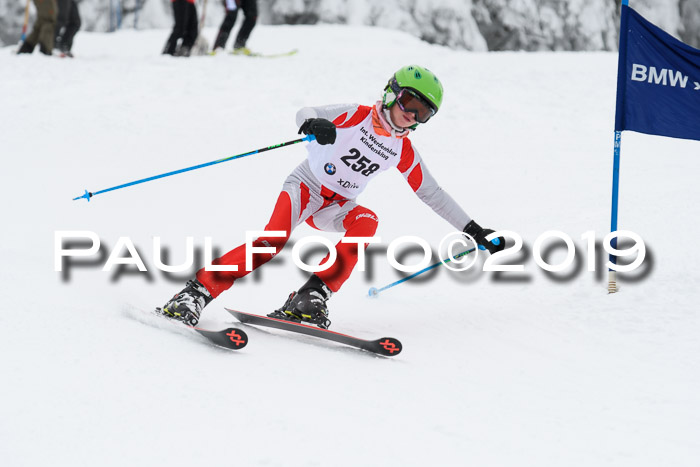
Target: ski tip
{"x":388,"y":346}
{"x":237,"y":338}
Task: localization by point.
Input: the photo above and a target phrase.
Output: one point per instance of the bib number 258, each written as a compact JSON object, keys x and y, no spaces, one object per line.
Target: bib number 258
{"x":359,"y":163}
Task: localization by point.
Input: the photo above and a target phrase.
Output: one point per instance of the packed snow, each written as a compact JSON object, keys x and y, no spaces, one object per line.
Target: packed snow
{"x":525,"y":368}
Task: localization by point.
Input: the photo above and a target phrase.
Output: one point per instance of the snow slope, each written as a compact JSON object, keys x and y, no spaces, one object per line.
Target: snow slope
{"x":523,"y":369}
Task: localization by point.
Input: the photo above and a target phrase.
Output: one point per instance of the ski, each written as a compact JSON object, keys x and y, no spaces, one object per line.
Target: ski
{"x":263,"y":55}
{"x":386,"y":346}
{"x":229,"y":338}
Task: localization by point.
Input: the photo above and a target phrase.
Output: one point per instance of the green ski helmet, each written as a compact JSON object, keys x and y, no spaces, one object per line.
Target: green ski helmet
{"x":418,"y":81}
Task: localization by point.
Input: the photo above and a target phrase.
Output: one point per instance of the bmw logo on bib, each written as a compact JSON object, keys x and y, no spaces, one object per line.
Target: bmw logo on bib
{"x":329,"y":168}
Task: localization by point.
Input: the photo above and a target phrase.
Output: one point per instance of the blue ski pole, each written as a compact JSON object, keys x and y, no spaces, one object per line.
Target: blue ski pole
{"x":87,"y":195}
{"x":373,"y":291}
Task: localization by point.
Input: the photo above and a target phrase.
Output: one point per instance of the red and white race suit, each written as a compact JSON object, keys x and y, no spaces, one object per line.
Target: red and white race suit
{"x":321,"y":191}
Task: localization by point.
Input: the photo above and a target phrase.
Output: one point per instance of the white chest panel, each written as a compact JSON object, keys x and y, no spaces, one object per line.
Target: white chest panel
{"x":357,"y":156}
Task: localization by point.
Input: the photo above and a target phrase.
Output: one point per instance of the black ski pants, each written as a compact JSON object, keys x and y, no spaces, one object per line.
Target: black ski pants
{"x":185,"y":27}
{"x":67,"y":24}
{"x":250,"y":11}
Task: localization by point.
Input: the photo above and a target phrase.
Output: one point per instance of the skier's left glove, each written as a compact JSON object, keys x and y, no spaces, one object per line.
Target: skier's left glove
{"x":479,"y":235}
{"x":322,"y":129}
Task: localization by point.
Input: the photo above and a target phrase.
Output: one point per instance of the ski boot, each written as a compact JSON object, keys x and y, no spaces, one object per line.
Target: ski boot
{"x":26,"y":48}
{"x":187,"y":305}
{"x":307,"y":305}
{"x":242,"y":51}
{"x":170,"y":47}
{"x":183,"y":51}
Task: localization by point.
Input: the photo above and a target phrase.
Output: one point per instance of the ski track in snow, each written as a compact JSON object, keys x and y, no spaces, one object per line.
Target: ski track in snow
{"x":527,"y":372}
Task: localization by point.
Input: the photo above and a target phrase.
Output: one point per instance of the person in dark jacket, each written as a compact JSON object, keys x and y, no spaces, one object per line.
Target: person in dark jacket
{"x":185,"y":28}
{"x":43,"y":30}
{"x":250,"y":11}
{"x":67,"y":25}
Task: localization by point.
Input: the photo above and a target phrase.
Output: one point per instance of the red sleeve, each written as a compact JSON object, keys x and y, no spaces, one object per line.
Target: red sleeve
{"x":407,"y":156}
{"x":359,"y":115}
{"x":415,"y":178}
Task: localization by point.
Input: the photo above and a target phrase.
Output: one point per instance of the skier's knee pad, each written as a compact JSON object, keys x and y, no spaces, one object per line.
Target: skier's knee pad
{"x":361,"y":222}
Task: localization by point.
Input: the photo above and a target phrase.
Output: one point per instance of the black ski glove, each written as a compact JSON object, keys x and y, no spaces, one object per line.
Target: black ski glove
{"x":322,"y":129}
{"x":477,"y":233}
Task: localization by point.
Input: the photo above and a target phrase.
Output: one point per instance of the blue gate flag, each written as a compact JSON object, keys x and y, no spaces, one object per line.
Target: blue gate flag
{"x":658,"y":81}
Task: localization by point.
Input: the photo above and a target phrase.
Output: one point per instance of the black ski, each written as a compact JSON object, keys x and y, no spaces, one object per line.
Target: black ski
{"x":229,"y":338}
{"x":387,"y":346}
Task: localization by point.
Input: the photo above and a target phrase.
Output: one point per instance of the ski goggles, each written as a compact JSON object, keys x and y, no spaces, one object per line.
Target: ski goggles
{"x":410,"y":101}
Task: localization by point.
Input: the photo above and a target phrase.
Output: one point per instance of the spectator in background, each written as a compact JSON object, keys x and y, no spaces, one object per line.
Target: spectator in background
{"x":43,"y":30}
{"x":250,"y":11}
{"x":67,"y":25}
{"x":185,"y":28}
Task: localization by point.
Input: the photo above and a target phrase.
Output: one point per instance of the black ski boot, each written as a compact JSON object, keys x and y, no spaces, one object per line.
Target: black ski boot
{"x":308,"y":304}
{"x":187,"y":305}
{"x":26,"y":48}
{"x":170,"y":47}
{"x":183,"y":51}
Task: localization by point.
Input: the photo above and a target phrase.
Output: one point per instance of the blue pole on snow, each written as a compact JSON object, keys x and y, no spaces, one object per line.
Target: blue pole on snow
{"x":615,"y":192}
{"x":373,"y":291}
{"x":619,"y":126}
{"x":87,"y":195}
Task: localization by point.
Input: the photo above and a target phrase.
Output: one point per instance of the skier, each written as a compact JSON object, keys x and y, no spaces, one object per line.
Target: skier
{"x":67,"y":25}
{"x":43,"y":30}
{"x":185,"y":28}
{"x":354,"y":143}
{"x":250,"y":11}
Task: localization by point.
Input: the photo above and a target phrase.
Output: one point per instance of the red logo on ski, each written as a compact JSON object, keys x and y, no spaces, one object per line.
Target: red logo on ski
{"x":390,"y":346}
{"x":236,"y":338}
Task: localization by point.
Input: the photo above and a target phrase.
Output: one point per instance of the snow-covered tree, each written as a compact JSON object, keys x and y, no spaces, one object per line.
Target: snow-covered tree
{"x":468,"y":24}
